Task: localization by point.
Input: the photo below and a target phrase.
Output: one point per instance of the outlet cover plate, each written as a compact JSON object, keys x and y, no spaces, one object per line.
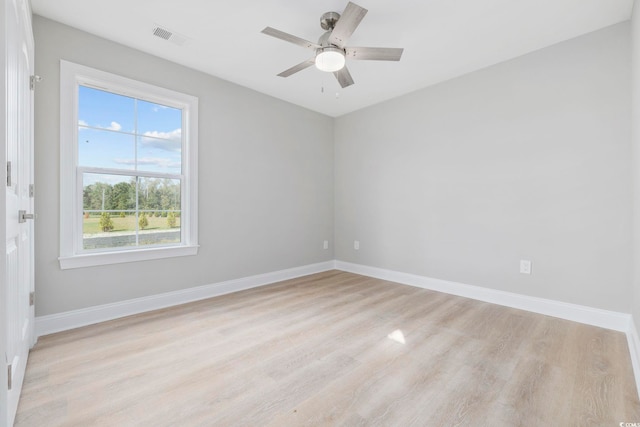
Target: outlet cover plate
{"x":525,"y":266}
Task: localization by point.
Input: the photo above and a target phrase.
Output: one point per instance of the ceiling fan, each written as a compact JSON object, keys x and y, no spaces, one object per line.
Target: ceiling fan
{"x":331,"y":50}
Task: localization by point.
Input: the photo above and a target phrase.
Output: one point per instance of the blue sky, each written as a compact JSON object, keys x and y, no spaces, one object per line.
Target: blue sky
{"x":109,"y":134}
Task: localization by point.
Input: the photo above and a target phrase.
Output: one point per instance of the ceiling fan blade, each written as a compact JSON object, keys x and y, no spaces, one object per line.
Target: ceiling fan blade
{"x":344,"y":77}
{"x":374,"y":53}
{"x":301,"y":66}
{"x":289,"y":38}
{"x":347,"y":24}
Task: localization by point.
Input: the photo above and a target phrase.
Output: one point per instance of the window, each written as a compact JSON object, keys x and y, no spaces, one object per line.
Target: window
{"x":128,"y":169}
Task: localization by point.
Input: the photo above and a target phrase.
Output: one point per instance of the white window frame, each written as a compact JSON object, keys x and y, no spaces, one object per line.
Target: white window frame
{"x":71,"y":253}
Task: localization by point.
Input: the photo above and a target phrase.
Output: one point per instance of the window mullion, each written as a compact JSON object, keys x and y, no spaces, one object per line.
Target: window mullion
{"x":137,"y":210}
{"x":135,"y":166}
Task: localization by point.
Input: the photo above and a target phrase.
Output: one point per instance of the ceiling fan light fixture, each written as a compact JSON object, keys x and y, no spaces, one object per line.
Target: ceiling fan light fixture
{"x":330,"y":59}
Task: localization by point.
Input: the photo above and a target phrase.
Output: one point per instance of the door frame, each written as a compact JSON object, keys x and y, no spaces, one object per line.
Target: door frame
{"x":3,"y":217}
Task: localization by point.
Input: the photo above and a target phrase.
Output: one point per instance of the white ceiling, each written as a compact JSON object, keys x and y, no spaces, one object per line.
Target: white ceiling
{"x":442,"y":39}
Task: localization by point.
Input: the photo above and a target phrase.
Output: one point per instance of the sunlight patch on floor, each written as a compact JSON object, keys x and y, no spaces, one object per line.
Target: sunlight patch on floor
{"x":397,"y":336}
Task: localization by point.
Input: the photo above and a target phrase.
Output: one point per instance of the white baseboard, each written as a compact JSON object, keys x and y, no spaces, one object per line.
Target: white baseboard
{"x":45,"y":325}
{"x":577,"y":313}
{"x":592,"y":316}
{"x":634,"y":349}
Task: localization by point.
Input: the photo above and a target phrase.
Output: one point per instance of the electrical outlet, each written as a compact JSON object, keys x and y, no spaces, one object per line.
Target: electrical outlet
{"x":325,"y":245}
{"x":356,"y":245}
{"x":525,"y":266}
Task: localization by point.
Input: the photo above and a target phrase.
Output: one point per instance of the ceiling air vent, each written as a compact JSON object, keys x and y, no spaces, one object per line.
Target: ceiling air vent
{"x":166,"y":34}
{"x":162,"y":33}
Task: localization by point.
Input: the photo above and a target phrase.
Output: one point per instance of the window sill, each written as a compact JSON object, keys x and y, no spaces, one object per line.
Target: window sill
{"x":91,"y":260}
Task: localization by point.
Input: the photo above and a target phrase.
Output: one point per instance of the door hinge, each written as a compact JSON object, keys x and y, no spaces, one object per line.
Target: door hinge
{"x":33,"y":80}
{"x":9,"y":375}
{"x":32,"y":297}
{"x":31,"y":190}
{"x":8,"y":174}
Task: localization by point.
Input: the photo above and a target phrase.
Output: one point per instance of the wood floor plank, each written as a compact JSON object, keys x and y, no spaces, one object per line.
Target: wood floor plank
{"x":331,"y":349}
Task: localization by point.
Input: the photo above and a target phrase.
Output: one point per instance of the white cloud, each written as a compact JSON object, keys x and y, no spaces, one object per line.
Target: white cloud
{"x":174,"y":135}
{"x":115,"y":126}
{"x":82,"y":123}
{"x":167,"y":141}
{"x":151,"y":161}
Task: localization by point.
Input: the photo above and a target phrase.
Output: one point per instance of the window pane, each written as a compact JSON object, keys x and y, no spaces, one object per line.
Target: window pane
{"x":159,"y":138}
{"x":100,"y":109}
{"x":105,"y":149}
{"x":159,"y":204}
{"x":109,"y":211}
{"x":159,"y":155}
{"x":159,"y":120}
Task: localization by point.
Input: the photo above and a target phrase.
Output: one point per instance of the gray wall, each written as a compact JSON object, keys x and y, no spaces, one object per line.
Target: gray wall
{"x":528,"y":159}
{"x":635,"y":85}
{"x":265,"y":178}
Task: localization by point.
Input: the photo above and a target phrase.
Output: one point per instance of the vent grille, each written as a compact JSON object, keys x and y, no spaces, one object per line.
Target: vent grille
{"x":166,"y":34}
{"x":162,"y":33}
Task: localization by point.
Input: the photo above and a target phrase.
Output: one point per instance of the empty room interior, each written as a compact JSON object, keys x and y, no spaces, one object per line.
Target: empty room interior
{"x":419,"y":213}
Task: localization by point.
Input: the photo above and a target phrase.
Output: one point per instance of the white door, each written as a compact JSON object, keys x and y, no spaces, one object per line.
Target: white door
{"x":19,"y":244}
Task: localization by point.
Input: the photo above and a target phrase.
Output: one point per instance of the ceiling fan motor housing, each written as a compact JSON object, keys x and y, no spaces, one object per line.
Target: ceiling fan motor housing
{"x":324,"y":40}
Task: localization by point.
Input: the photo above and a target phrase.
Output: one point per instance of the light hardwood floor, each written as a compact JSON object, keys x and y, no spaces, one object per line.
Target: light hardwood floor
{"x":316,"y":351}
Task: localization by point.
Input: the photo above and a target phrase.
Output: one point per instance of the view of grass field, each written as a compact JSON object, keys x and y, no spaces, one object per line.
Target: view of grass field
{"x":91,"y":225}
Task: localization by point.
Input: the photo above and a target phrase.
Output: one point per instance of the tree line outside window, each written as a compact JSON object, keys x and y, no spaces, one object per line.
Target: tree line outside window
{"x":154,"y":195}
